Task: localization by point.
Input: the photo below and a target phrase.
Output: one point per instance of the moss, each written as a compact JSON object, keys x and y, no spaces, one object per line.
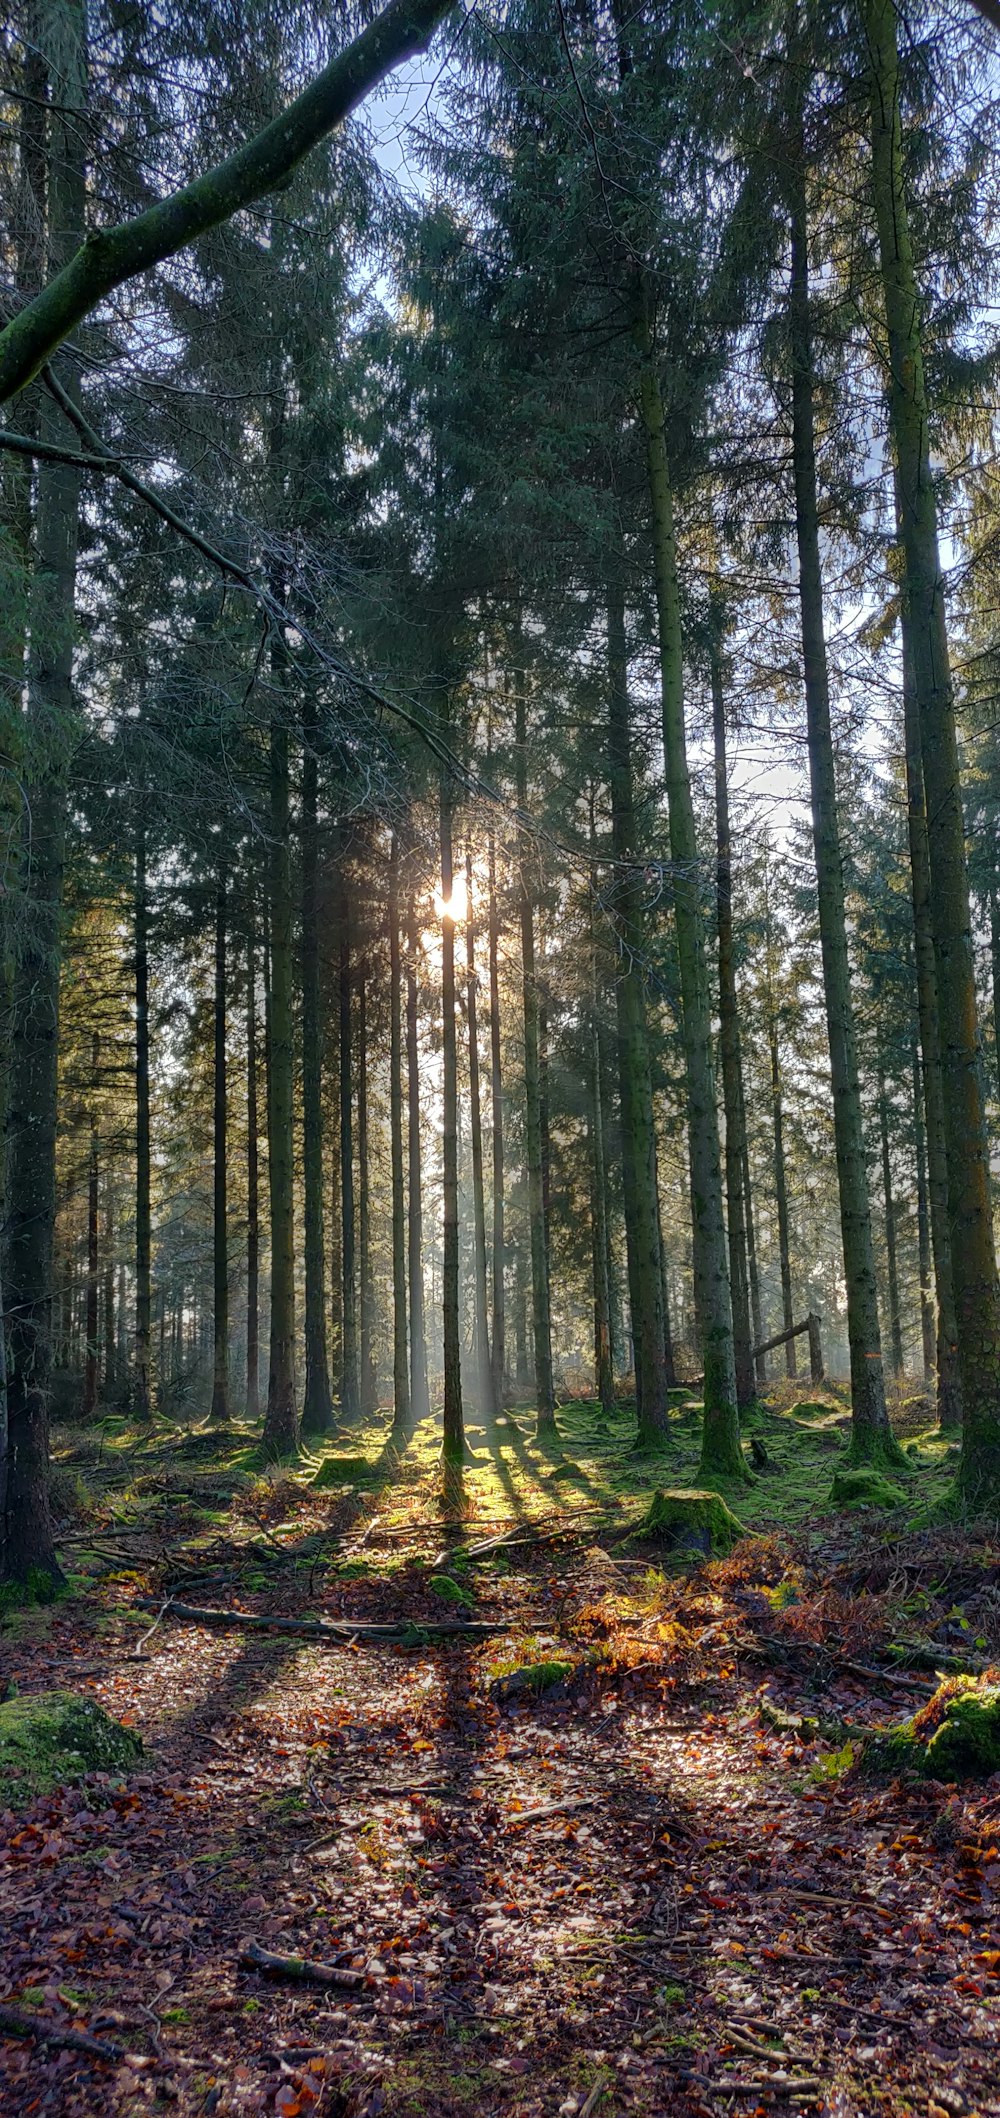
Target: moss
{"x":812,"y":1408}
{"x":691,"y":1519}
{"x":54,"y":1737}
{"x":450,"y":1591}
{"x":343,"y":1471}
{"x":534,"y":1677}
{"x":864,"y":1487}
{"x":955,"y":1736}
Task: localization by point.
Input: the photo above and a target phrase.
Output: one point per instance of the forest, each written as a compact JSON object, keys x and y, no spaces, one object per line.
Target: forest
{"x":500,"y":1059}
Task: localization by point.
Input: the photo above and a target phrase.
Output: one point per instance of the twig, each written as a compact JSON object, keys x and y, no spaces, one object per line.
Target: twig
{"x":14,"y":2024}
{"x":340,"y":1632}
{"x":301,"y":1967}
{"x":536,"y":1816}
{"x":603,"y":2082}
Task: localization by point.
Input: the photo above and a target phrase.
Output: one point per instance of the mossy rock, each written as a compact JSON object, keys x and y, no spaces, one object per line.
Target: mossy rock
{"x":451,"y":1591}
{"x":689,"y":1519}
{"x":533,"y":1677}
{"x":956,"y":1736}
{"x":864,"y":1487}
{"x":812,"y":1408}
{"x":343,"y":1471}
{"x":52,"y":1738}
{"x":564,"y":1471}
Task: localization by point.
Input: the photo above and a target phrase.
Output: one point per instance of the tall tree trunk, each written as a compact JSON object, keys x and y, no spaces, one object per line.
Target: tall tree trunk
{"x":419,"y":1395}
{"x":454,"y":1436}
{"x":400,"y":1350}
{"x":949,"y":1383}
{"x":721,"y":1454}
{"x":366,"y":1285}
{"x":927,"y":1309}
{"x":485,"y":1400}
{"x":604,"y":1375}
{"x":108,"y":1293}
{"x":642,"y":1210}
{"x":498,"y":1345}
{"x":317,"y":1404}
{"x":91,"y":1360}
{"x":781,"y":1195}
{"x":729,"y":1043}
{"x":350,"y":1385}
{"x":253,"y":1189}
{"x":892,"y":1269}
{"x":753,"y":1277}
{"x":220,"y":1409}
{"x":872,"y":1438}
{"x":974,"y":1266}
{"x":995,"y":966}
{"x":25,"y":1533}
{"x":281,"y":1427}
{"x":143,"y":1397}
{"x":545,"y":1415}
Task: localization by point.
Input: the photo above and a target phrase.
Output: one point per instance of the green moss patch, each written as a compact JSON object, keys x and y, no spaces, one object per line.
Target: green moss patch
{"x":689,"y":1519}
{"x":864,"y":1487}
{"x":451,"y":1591}
{"x":956,"y":1736}
{"x":54,"y":1737}
{"x":343,"y":1471}
{"x":533,"y":1677}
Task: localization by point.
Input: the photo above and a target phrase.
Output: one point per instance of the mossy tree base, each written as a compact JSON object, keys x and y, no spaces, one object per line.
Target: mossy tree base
{"x":691,"y":1519}
{"x":53,"y":1738}
{"x":862,"y":1486}
{"x":876,"y":1449}
{"x":956,"y":1736}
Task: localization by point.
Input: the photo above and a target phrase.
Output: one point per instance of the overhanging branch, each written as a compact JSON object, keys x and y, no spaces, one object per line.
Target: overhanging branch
{"x":110,"y":256}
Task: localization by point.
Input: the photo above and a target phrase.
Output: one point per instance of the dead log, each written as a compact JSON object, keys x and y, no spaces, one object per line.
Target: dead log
{"x":15,"y":2024}
{"x":254,"y":1958}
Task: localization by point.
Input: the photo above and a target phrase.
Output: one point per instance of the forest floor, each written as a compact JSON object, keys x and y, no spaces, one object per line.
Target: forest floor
{"x":637,"y":1891}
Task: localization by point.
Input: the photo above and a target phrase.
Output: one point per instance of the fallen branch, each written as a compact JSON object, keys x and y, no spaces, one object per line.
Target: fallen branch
{"x":547,"y":1809}
{"x":14,"y":2024}
{"x":254,"y":1958}
{"x":773,"y":2085}
{"x":340,"y":1632}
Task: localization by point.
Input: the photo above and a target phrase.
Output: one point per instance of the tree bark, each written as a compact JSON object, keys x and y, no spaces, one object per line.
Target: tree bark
{"x":367,"y":1381}
{"x":419,"y":1394}
{"x":253,"y":1189}
{"x":892,"y":1268}
{"x":281,"y":1428}
{"x":108,"y":1294}
{"x":545,"y":1415}
{"x":143,"y":1404}
{"x":781,"y":1194}
{"x":872,"y":1438}
{"x":498,"y":1345}
{"x":317,"y":1403}
{"x":400,"y":1350}
{"x":721,"y":1453}
{"x":91,"y":1358}
{"x":974,"y":1282}
{"x":350,"y":1385}
{"x":25,"y":1535}
{"x":220,"y":1408}
{"x":729,"y":1044}
{"x":454,"y":1434}
{"x":642,"y":1209}
{"x":485,"y":1401}
{"x":927,"y":1309}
